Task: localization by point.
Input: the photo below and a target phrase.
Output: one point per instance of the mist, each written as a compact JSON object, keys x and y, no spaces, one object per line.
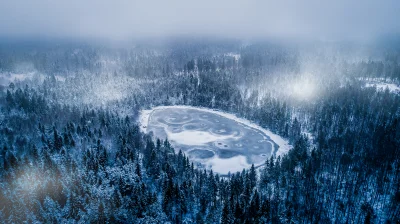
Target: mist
{"x":123,"y":20}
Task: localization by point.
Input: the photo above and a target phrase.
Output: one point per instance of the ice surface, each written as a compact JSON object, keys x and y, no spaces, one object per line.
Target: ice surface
{"x":213,"y":139}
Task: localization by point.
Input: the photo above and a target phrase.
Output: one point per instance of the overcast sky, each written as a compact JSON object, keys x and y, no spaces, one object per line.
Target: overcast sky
{"x":124,"y":19}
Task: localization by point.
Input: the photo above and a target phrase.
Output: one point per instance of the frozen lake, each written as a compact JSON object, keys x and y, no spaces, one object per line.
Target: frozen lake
{"x":210,"y":138}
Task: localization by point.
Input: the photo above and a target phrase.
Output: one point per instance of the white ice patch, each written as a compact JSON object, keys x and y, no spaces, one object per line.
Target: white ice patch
{"x":196,"y":138}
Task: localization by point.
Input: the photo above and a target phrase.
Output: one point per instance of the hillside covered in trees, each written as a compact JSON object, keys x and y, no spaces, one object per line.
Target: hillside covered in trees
{"x":71,"y":149}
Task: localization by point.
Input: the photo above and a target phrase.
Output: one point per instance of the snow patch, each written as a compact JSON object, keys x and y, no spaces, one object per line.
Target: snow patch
{"x":7,"y":78}
{"x":224,"y":166}
{"x":380,"y":86}
{"x":234,"y":55}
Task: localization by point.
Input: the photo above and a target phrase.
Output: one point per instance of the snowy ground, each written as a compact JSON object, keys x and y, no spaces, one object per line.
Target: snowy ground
{"x":381,"y":84}
{"x":234,"y":55}
{"x":6,"y":78}
{"x":214,"y":139}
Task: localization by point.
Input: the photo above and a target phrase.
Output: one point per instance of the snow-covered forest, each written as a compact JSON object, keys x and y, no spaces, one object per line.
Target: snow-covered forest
{"x":72,"y":149}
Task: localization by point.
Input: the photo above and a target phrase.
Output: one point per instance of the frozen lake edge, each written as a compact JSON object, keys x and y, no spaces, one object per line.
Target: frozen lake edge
{"x":282,"y":145}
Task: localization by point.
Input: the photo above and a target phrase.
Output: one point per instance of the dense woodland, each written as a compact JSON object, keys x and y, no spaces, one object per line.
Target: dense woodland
{"x":72,"y":150}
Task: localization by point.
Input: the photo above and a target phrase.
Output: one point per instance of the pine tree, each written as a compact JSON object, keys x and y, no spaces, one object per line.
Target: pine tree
{"x":226,"y":214}
{"x":57,"y":140}
{"x":138,"y":170}
{"x":9,"y":99}
{"x":252,"y":176}
{"x":101,"y":214}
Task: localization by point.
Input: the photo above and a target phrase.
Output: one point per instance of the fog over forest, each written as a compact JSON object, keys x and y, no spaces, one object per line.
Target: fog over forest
{"x":199,"y":111}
